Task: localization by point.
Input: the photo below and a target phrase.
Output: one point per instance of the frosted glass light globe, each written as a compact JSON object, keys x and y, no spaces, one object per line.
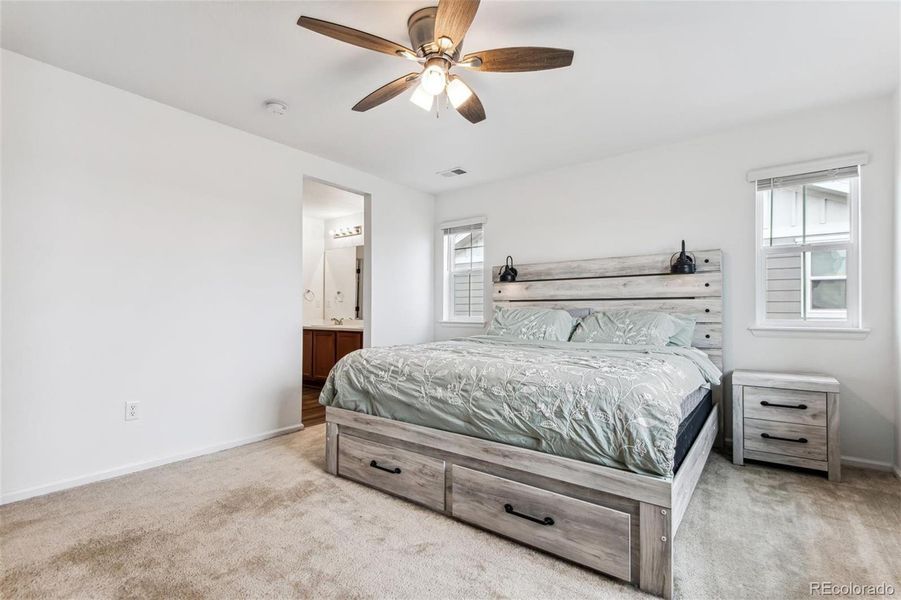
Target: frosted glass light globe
{"x":458,"y":92}
{"x":422,"y":99}
{"x":433,"y":80}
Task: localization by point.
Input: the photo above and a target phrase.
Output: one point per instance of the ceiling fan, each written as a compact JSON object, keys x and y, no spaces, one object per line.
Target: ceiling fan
{"x":436,"y":33}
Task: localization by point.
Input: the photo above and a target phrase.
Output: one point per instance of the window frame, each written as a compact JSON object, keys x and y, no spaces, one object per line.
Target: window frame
{"x":447,"y":273}
{"x":853,"y":319}
{"x":825,"y":314}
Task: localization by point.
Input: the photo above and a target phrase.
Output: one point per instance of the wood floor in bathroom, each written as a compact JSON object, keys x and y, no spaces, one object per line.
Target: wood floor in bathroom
{"x":312,"y":413}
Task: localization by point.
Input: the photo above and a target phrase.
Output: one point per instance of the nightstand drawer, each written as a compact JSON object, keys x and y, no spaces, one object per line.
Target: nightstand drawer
{"x":790,"y":439}
{"x":787,"y":406}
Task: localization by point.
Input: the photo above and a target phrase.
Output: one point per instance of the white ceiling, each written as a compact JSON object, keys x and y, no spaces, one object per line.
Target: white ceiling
{"x":322,"y":201}
{"x":644,"y":73}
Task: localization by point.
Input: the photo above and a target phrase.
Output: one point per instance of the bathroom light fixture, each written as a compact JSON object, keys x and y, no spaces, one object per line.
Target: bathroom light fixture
{"x":343,"y":232}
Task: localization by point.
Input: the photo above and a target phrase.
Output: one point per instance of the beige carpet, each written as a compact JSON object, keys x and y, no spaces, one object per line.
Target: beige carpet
{"x":265,"y":521}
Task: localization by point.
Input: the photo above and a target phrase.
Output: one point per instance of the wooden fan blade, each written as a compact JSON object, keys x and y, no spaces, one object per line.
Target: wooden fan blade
{"x":516,"y":60}
{"x":472,"y":110}
{"x":352,"y":36}
{"x":387,"y":92}
{"x":453,"y":20}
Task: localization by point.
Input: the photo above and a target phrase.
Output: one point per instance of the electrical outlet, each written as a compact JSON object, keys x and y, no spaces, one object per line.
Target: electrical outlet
{"x":131,"y":411}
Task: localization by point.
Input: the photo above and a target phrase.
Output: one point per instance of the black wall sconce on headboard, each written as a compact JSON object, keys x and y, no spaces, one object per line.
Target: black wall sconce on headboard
{"x":682,"y":262}
{"x":508,"y":272}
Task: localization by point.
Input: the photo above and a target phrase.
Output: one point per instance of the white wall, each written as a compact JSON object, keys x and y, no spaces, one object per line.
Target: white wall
{"x":313,"y":267}
{"x":152,"y":255}
{"x":896,"y":102}
{"x":647,"y":201}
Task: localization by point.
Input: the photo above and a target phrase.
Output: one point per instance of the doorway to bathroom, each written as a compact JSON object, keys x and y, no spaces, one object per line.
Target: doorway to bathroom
{"x":334,"y":313}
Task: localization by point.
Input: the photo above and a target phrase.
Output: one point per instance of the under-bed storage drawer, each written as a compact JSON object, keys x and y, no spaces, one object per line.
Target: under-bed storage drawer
{"x":803,"y":441}
{"x":401,"y":472}
{"x":788,"y":406}
{"x":580,"y":531}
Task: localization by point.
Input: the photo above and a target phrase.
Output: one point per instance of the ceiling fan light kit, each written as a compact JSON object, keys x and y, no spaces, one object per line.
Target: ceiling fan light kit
{"x":458,"y":92}
{"x":422,"y":99}
{"x":436,"y":35}
{"x":434,"y":77}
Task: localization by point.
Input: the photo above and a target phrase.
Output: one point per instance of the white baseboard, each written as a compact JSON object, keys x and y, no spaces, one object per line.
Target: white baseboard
{"x":866,"y":463}
{"x":140,"y":466}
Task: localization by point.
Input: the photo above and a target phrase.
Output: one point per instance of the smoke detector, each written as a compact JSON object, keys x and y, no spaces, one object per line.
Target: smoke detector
{"x":275,"y":107}
{"x":456,"y":171}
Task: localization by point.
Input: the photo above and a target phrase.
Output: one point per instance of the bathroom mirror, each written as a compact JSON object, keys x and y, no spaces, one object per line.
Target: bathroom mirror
{"x":342,"y":283}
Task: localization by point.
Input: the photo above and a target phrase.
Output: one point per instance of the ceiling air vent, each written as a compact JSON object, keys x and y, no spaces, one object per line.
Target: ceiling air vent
{"x":452,"y":172}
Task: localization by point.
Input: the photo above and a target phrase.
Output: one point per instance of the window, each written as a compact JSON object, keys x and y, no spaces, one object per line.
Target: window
{"x":464,"y":271}
{"x":808,"y":239}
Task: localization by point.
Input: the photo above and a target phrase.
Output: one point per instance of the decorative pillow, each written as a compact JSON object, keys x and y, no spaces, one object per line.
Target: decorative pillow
{"x":531,"y":323}
{"x":686,"y":330}
{"x":633,"y":327}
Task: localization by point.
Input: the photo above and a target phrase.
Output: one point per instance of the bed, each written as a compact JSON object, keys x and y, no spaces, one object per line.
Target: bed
{"x":588,"y":451}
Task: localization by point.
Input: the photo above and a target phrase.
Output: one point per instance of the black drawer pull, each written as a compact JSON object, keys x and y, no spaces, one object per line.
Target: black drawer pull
{"x":799,"y":406}
{"x":544,"y":521}
{"x":395,"y":470}
{"x":767,"y":436}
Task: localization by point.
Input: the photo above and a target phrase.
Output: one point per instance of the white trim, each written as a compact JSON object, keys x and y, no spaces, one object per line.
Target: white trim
{"x":809,"y":331}
{"x":810,"y":166}
{"x":846,"y":317}
{"x":447,"y":271}
{"x":469,"y":324}
{"x":462,"y":222}
{"x":65,"y":484}
{"x":759,"y":260}
{"x":866,"y":463}
{"x":852,"y":272}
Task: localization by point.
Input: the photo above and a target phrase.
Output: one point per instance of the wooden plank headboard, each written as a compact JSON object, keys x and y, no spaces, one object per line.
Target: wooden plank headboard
{"x":630,"y":282}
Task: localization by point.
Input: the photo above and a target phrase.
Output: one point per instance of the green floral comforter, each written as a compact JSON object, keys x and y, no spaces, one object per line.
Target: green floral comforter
{"x":608,"y":404}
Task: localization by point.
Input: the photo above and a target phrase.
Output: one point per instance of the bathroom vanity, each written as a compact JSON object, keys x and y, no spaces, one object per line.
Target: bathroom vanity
{"x":325,"y":344}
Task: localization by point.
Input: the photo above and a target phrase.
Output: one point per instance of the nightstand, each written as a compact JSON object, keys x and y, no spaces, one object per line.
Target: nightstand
{"x":786,"y":418}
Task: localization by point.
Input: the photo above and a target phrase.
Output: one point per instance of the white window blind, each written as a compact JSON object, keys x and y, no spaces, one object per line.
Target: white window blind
{"x":464,"y":272}
{"x":807,"y":178}
{"x":808,"y":248}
